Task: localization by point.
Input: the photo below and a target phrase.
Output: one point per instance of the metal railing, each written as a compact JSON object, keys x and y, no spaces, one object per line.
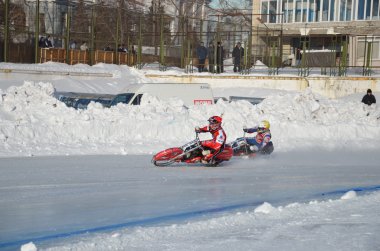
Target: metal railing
{"x":149,"y":37}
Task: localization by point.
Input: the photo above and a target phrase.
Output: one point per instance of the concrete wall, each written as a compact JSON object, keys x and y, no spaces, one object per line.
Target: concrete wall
{"x":336,"y":87}
{"x":331,"y":87}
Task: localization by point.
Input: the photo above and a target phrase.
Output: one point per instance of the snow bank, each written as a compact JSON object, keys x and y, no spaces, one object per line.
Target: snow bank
{"x":33,"y":122}
{"x":293,"y":227}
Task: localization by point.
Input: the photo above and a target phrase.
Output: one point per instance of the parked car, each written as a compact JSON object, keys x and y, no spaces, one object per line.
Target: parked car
{"x":190,"y":94}
{"x":81,"y":100}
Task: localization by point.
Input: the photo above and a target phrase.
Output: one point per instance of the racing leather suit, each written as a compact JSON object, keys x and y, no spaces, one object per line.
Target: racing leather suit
{"x":262,"y":137}
{"x":215,"y":144}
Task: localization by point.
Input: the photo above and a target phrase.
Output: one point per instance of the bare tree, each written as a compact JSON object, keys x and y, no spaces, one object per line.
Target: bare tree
{"x":80,"y":22}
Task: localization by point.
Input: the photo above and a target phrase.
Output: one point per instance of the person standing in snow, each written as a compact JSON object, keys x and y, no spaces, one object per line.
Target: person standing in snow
{"x":73,"y":45}
{"x":237,"y":54}
{"x":41,"y":42}
{"x":369,"y":99}
{"x":83,"y":46}
{"x":49,"y":42}
{"x":202,"y":55}
{"x":262,"y":138}
{"x":216,"y":145}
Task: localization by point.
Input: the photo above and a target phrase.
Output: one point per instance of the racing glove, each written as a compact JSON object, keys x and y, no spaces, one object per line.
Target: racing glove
{"x":206,"y":152}
{"x":197,"y":129}
{"x":245,"y":129}
{"x":254,"y":148}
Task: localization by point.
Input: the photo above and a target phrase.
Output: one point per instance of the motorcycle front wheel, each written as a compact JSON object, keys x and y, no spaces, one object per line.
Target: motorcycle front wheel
{"x":167,"y":157}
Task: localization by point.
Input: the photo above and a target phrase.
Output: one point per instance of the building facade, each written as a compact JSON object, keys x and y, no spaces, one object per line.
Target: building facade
{"x":325,"y":25}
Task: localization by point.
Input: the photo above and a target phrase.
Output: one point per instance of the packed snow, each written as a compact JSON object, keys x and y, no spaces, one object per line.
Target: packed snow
{"x":34,"y":124}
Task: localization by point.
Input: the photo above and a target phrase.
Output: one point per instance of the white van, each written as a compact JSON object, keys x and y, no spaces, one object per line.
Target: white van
{"x":190,"y":94}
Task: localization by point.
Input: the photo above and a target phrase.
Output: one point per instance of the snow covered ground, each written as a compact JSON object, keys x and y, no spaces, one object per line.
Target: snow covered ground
{"x":67,"y":172}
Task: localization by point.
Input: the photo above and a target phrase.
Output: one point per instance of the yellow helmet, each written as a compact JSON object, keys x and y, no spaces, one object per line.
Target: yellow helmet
{"x":264,"y":125}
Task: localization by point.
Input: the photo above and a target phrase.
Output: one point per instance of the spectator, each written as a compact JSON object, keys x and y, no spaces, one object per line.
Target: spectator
{"x":219,"y":58}
{"x":369,"y":99}
{"x":298,"y":56}
{"x":48,"y":42}
{"x":73,"y":45}
{"x":84,"y":46}
{"x":211,"y":59}
{"x":202,"y":55}
{"x":133,"y":50}
{"x":237,"y":54}
{"x":122,"y":48}
{"x":107,"y":48}
{"x":41,"y":42}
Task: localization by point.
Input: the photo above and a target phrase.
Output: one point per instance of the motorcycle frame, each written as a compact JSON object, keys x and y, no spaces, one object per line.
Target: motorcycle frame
{"x":245,"y":145}
{"x":197,"y":146}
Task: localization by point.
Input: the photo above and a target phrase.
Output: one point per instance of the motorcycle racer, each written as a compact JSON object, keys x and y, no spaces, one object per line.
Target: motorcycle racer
{"x":262,"y":137}
{"x":216,"y":144}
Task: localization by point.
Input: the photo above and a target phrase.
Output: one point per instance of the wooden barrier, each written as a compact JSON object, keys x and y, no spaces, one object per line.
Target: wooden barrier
{"x":106,"y":57}
{"x":83,"y":57}
{"x":52,"y":54}
{"x":122,"y":58}
{"x":126,"y":58}
{"x":19,"y":52}
{"x":78,"y":57}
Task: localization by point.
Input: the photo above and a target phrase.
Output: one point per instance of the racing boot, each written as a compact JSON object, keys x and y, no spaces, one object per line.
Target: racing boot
{"x":207,"y":156}
{"x":194,"y":160}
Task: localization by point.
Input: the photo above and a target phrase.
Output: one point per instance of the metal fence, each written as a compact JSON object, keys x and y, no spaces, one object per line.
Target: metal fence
{"x":125,"y":34}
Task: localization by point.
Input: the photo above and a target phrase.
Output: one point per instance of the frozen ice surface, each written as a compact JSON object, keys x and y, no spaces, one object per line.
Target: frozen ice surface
{"x":82,"y":179}
{"x":116,"y":198}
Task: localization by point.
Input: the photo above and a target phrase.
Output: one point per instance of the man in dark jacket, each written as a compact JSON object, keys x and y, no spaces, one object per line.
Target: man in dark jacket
{"x":202,"y":55}
{"x":41,"y":42}
{"x":369,"y":99}
{"x":237,"y":54}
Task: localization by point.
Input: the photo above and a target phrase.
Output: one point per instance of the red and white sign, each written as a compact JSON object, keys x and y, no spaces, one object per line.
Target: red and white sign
{"x":202,"y":102}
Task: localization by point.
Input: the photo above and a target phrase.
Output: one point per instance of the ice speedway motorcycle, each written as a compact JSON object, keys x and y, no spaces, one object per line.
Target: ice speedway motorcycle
{"x":190,"y":153}
{"x":241,"y":147}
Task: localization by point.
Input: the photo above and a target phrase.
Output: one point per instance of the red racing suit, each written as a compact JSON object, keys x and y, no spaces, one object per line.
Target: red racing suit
{"x":215,"y":144}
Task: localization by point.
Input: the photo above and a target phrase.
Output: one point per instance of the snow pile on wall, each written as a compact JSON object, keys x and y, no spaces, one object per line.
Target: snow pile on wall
{"x":33,"y":122}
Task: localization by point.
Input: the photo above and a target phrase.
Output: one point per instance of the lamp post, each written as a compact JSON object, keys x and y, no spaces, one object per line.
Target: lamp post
{"x":6,"y":30}
{"x":37,"y":31}
{"x":67,"y":41}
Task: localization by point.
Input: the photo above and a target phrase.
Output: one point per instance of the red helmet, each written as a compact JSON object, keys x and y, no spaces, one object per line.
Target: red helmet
{"x":215,"y":122}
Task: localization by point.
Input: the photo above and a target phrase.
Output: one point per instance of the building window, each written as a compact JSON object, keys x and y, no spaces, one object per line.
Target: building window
{"x":272,"y":11}
{"x":370,"y":43}
{"x":325,"y":10}
{"x":312,"y":8}
{"x":343,"y":10}
{"x":376,"y":50}
{"x":298,"y":10}
{"x":318,"y":10}
{"x":304,"y":10}
{"x":368,"y":10}
{"x":375,"y":10}
{"x":349,"y":10}
{"x":264,"y":12}
{"x":361,"y":9}
{"x":332,"y":10}
{"x":287,"y":8}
